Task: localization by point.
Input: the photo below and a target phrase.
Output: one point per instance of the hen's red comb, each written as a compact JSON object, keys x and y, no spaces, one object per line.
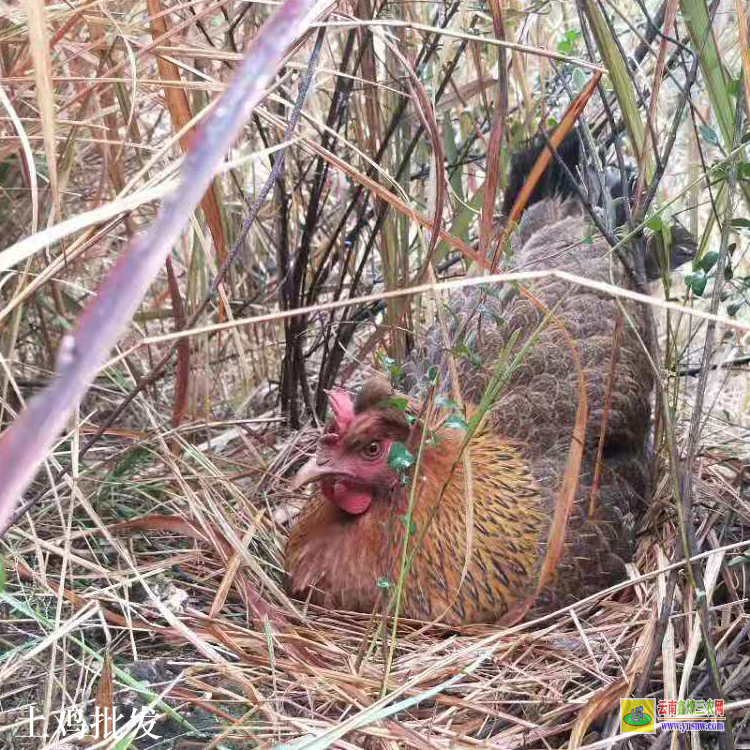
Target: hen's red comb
{"x":342,"y":407}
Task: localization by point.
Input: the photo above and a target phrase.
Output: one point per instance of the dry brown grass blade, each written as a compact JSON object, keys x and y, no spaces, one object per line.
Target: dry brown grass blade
{"x":181,"y":390}
{"x":40,"y":52}
{"x":495,"y":144}
{"x":179,"y":111}
{"x":608,"y":698}
{"x":644,"y":161}
{"x":111,"y":155}
{"x":426,"y":114}
{"x":602,"y":703}
{"x":743,"y":15}
{"x":104,"y":724}
{"x":463,"y":94}
{"x":567,"y":123}
{"x":394,"y":201}
{"x":373,"y":113}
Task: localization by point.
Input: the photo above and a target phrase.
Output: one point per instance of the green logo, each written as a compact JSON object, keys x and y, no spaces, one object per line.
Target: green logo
{"x":637,"y":717}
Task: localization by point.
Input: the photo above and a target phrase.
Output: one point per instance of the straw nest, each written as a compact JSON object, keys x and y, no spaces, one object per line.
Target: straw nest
{"x":188,"y":609}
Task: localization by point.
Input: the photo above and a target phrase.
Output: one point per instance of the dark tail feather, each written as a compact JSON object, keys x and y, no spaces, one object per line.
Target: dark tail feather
{"x":557,"y":182}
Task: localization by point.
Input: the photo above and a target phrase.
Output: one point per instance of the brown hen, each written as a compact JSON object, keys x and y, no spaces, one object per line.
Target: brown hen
{"x":345,"y":550}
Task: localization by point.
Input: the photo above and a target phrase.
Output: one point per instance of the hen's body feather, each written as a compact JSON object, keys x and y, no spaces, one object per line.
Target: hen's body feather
{"x":518,"y":457}
{"x":537,"y":410}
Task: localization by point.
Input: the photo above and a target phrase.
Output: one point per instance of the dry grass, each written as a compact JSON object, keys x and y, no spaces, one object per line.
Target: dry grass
{"x":154,"y":531}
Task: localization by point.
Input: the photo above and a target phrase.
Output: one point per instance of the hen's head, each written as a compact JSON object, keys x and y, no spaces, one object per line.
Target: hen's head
{"x":351,"y":462}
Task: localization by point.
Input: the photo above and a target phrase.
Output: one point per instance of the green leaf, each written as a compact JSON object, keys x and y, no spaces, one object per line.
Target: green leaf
{"x":739,"y":223}
{"x":457,"y":423}
{"x":383,"y":583}
{"x":655,"y":223}
{"x":132,"y":461}
{"x":2,"y":575}
{"x":394,"y":370}
{"x":411,"y":527}
{"x":469,"y":355}
{"x":708,"y":261}
{"x":387,"y":362}
{"x":398,"y":402}
{"x":400,"y":458}
{"x":696,"y":282}
{"x":433,"y":374}
{"x":566,"y":46}
{"x":709,"y":135}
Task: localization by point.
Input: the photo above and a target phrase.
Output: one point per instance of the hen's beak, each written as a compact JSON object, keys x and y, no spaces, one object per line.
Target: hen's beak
{"x":312,"y":471}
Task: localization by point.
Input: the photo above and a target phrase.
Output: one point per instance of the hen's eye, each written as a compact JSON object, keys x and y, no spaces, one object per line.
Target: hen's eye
{"x":372,"y":450}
